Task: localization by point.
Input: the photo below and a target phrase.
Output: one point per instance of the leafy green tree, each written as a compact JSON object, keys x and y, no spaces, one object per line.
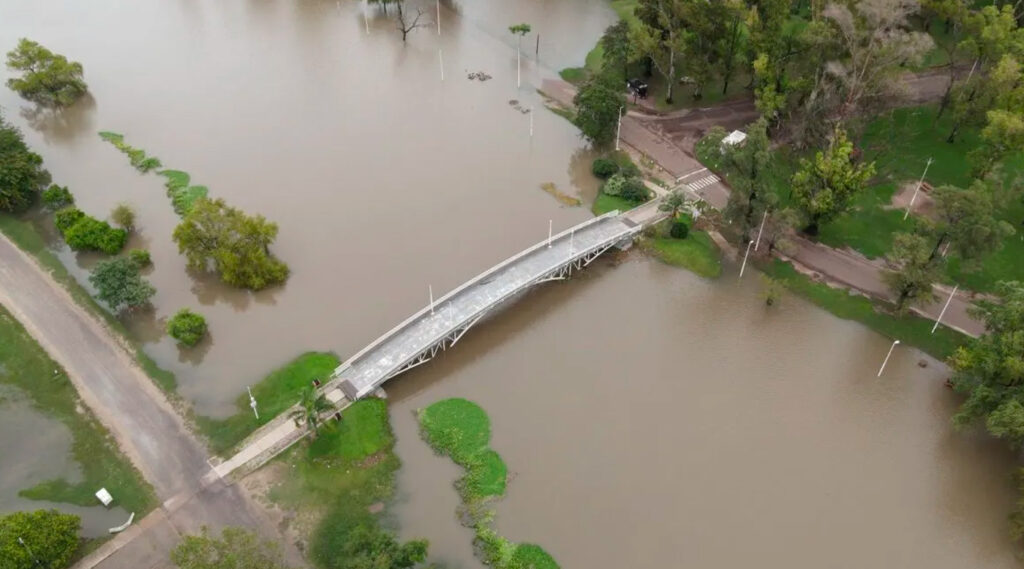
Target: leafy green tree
{"x":965,"y":219}
{"x":661,"y":38}
{"x":187,"y":327}
{"x":236,"y":548}
{"x":824,"y":187}
{"x":57,"y":197}
{"x":989,"y":370}
{"x":21,"y":171}
{"x":598,"y":105}
{"x":674,"y":203}
{"x":91,"y":234}
{"x":616,"y":46}
{"x":47,"y":78}
{"x":368,"y":547}
{"x":748,"y":165}
{"x":915,"y":270}
{"x":123,"y":215}
{"x":215,"y":235}
{"x":312,"y":404}
{"x":119,"y":284}
{"x":1002,"y":136}
{"x":140,"y":257}
{"x":43,"y":538}
{"x":604,"y":168}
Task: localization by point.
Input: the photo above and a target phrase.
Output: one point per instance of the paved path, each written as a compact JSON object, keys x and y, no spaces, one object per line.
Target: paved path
{"x":135,"y":411}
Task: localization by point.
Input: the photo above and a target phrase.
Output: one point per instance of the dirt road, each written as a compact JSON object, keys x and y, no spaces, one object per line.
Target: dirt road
{"x":147,"y":428}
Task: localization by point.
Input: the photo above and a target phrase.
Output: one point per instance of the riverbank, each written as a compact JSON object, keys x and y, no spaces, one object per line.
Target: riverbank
{"x":25,"y":365}
{"x":461,"y":430}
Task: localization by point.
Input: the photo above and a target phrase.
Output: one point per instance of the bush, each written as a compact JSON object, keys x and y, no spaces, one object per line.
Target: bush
{"x":48,"y":538}
{"x":613,"y":186}
{"x":21,"y":171}
{"x":91,"y":234}
{"x":67,"y":217}
{"x":679,"y":230}
{"x":119,"y":284}
{"x":604,"y":168}
{"x":123,"y":215}
{"x":140,"y":257}
{"x":628,"y":168}
{"x":633,"y":189}
{"x":187,"y":327}
{"x":56,"y":197}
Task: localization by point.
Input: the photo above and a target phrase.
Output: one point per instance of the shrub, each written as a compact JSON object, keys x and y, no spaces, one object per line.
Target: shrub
{"x":633,"y":189}
{"x":67,"y":217}
{"x":604,"y":168}
{"x":91,"y":234}
{"x":613,"y":186}
{"x":679,"y":230}
{"x":43,"y":538}
{"x":56,"y":197}
{"x":626,"y":166}
{"x":119,"y":284}
{"x":140,"y":257}
{"x":123,"y":215}
{"x":21,"y":171}
{"x":187,"y":327}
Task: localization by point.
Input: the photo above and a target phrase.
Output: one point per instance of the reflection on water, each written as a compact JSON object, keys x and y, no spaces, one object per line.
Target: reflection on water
{"x":650,"y":418}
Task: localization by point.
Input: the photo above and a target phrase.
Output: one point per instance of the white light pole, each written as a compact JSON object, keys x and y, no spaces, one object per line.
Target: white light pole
{"x":891,"y":348}
{"x":440,"y":59}
{"x":29,"y":550}
{"x":431,"y":289}
{"x":549,"y":233}
{"x":252,"y":403}
{"x":531,"y":121}
{"x":438,"y":17}
{"x":910,"y":206}
{"x":760,"y":231}
{"x":518,"y":67}
{"x":744,"y":265}
{"x":941,"y":314}
{"x":618,"y":130}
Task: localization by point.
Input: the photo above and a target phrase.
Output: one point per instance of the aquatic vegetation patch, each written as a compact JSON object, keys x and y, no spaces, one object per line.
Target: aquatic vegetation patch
{"x":461,"y":430}
{"x":137,"y":156}
{"x":563,"y":198}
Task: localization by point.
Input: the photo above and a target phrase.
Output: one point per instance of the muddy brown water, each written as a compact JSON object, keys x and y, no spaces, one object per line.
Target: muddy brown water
{"x":650,"y":417}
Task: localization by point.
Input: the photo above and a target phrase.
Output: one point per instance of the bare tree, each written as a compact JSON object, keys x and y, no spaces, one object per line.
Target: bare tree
{"x":878,"y":42}
{"x":405,"y":25}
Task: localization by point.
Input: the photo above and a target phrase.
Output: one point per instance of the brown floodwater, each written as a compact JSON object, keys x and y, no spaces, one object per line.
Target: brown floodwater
{"x":650,"y":418}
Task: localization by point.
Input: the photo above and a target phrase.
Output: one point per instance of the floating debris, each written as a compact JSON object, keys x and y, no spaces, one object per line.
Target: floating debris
{"x":478,"y":76}
{"x":564,"y":199}
{"x":514,"y":103}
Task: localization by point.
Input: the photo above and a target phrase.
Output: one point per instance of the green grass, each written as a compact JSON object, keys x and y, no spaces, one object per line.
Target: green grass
{"x":910,"y":329}
{"x":697,"y":253}
{"x":868,"y":227}
{"x":605,"y":203}
{"x":362,"y":432}
{"x":461,"y":429}
{"x":25,"y":235}
{"x":274,"y":394}
{"x":26,"y":366}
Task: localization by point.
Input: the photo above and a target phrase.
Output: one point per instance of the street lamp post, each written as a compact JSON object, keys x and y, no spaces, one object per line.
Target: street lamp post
{"x":910,"y":206}
{"x":252,"y":403}
{"x":30,"y":553}
{"x":618,"y":130}
{"x":891,"y":348}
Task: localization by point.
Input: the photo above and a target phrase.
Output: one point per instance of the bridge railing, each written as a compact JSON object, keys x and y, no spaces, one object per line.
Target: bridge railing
{"x":408,"y":321}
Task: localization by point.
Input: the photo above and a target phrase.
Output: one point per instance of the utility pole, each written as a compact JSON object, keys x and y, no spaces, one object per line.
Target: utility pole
{"x":252,"y":403}
{"x":438,"y":17}
{"x":943,"y":313}
{"x":910,"y":206}
{"x":891,"y":348}
{"x":550,"y":222}
{"x":744,"y":265}
{"x":760,"y":231}
{"x":618,"y":130}
{"x":431,"y":289}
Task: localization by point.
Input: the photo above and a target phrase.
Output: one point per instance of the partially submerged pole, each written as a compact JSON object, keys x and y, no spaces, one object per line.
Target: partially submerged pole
{"x":891,"y":348}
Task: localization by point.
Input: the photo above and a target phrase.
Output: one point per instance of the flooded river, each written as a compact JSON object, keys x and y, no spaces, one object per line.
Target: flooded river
{"x":651,"y":418}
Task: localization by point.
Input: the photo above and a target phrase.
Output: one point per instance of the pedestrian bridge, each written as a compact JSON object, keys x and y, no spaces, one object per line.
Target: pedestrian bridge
{"x":441,"y":324}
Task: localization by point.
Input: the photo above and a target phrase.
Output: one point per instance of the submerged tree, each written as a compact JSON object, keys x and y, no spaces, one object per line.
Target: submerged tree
{"x":405,"y":24}
{"x":215,"y":235}
{"x":47,"y":78}
{"x":119,"y":284}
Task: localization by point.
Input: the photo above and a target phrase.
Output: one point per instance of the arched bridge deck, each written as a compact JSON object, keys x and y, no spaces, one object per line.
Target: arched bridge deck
{"x":434,"y":328}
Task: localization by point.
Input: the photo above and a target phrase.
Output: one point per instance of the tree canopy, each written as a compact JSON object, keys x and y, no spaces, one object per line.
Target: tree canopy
{"x":43,"y":538}
{"x":119,"y":284}
{"x":21,"y":171}
{"x":216,"y":236}
{"x":236,"y":548}
{"x":598,"y":104}
{"x":47,"y":78}
{"x":187,"y":327}
{"x":824,"y":186}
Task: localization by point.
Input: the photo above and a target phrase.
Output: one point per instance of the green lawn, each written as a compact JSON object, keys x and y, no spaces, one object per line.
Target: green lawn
{"x":868,"y":227}
{"x":274,"y":394}
{"x":605,"y":203}
{"x":461,"y":430}
{"x":910,"y":329}
{"x":24,"y":364}
{"x":697,"y":253}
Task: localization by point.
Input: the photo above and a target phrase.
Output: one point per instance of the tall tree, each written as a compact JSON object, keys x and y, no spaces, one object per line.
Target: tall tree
{"x":215,"y":235}
{"x":748,"y":165}
{"x":120,"y":285}
{"x":407,"y":22}
{"x":616,"y":47}
{"x":312,"y":404}
{"x":965,"y":220}
{"x":43,"y":538}
{"x":236,"y":548}
{"x":878,"y":44}
{"x":21,"y":171}
{"x":824,"y":187}
{"x":730,"y":44}
{"x":914,"y":270}
{"x":661,"y":38}
{"x":673,"y":203}
{"x":598,"y":104}
{"x":954,"y":14}
{"x":47,"y":78}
